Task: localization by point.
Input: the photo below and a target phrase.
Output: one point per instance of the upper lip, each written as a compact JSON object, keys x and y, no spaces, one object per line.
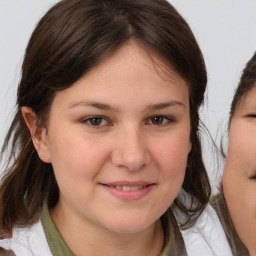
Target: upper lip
{"x":128,"y":183}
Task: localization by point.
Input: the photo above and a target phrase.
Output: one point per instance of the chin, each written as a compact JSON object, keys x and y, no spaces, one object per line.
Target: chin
{"x":130,"y":226}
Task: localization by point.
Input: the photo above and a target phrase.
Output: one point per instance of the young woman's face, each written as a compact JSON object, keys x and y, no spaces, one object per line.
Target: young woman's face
{"x":239,"y":177}
{"x":118,"y":141}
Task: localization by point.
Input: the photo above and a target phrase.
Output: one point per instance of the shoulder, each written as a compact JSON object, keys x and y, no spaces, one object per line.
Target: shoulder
{"x":27,"y":241}
{"x":206,"y":236}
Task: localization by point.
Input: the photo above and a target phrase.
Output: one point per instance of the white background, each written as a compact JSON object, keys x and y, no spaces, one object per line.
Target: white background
{"x":225,"y":30}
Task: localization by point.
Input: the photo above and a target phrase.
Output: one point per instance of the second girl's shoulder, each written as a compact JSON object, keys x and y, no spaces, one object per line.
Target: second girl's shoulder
{"x":27,"y":241}
{"x":206,"y":236}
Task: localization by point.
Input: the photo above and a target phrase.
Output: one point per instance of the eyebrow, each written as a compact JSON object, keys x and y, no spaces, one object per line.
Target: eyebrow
{"x":164,"y":105}
{"x":102,"y":106}
{"x":90,"y":104}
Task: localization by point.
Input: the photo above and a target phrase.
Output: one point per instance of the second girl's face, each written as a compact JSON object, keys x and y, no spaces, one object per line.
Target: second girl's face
{"x":118,"y":141}
{"x":239,"y":177}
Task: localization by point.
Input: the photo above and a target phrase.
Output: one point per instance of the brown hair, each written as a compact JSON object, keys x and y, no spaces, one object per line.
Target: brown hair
{"x":71,"y":39}
{"x":247,"y":82}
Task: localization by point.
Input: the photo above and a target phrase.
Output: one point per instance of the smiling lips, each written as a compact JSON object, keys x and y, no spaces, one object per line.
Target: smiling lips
{"x":128,"y":188}
{"x":129,"y":191}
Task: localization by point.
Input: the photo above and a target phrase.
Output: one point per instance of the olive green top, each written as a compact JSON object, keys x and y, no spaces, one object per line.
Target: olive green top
{"x":57,"y":245}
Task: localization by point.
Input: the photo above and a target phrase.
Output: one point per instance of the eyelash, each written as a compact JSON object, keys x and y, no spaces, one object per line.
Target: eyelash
{"x":168,"y":119}
{"x":252,"y":115}
{"x":253,"y":177}
{"x":164,"y":120}
{"x":89,"y":120}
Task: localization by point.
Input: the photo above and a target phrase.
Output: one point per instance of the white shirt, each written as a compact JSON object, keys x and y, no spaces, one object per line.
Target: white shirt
{"x":205,"y":238}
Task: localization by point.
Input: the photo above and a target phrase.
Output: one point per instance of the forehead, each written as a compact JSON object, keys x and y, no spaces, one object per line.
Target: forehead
{"x":137,"y":52}
{"x":130,"y":75}
{"x":134,"y":62}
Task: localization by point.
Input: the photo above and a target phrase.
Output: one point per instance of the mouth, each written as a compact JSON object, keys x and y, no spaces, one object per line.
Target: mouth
{"x":129,"y":191}
{"x":130,"y":188}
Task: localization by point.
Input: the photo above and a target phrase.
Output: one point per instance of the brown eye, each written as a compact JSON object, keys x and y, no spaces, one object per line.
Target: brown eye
{"x":157,"y":120}
{"x":95,"y":121}
{"x":160,"y":120}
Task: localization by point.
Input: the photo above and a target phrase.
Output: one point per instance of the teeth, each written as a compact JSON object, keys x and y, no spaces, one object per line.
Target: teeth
{"x":126,"y":188}
{"x":129,"y":188}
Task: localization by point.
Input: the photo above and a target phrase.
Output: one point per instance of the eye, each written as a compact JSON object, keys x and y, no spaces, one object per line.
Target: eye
{"x":253,"y":177}
{"x":95,"y":121}
{"x":160,"y":120}
{"x":252,"y":115}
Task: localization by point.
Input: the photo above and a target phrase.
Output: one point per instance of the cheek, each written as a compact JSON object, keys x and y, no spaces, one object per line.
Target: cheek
{"x":76,"y":155}
{"x":240,"y":196}
{"x":172,"y":162}
{"x":172,"y":158}
{"x":242,"y":146}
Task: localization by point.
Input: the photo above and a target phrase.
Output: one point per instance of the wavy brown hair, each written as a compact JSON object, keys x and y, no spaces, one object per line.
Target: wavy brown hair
{"x":245,"y":85}
{"x":72,"y":38}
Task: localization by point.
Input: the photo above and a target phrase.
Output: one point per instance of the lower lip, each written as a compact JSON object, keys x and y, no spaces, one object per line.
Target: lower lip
{"x":129,"y":195}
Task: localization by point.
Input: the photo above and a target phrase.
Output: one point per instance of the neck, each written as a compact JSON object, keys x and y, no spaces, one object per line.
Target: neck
{"x":252,"y":253}
{"x":85,"y":238}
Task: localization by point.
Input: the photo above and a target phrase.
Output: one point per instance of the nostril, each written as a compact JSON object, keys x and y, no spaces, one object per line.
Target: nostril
{"x":130,"y":149}
{"x":130,"y":160}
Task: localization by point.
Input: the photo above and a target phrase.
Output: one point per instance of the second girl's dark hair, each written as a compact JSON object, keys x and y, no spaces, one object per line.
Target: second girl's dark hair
{"x":246,"y":83}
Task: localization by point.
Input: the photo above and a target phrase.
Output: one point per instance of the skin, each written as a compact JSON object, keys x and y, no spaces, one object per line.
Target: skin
{"x":239,"y":177}
{"x":143,"y":136}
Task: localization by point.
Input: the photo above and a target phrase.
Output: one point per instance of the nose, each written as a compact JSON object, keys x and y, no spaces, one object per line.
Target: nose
{"x":130,"y":151}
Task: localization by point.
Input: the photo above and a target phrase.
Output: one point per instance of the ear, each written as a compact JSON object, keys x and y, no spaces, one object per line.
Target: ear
{"x":38,"y":134}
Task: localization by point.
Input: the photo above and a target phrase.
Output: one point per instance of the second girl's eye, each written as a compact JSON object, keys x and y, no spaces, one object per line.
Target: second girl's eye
{"x":252,"y":115}
{"x":160,"y":120}
{"x":253,"y":177}
{"x":95,"y":121}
